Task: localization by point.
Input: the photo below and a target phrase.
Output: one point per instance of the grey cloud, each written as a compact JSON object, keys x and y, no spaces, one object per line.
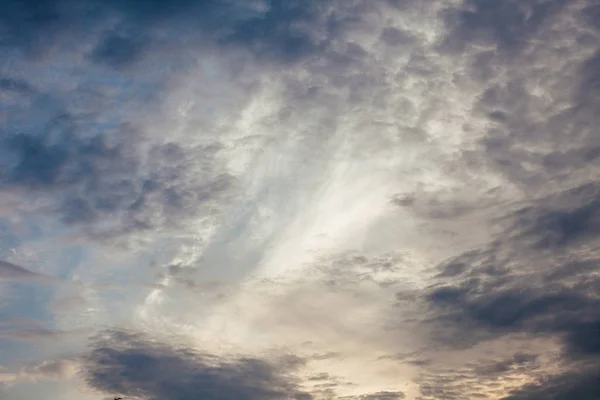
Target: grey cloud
{"x":538,"y":278}
{"x":452,"y":269}
{"x":587,"y":94}
{"x":20,"y":322}
{"x":82,"y":157}
{"x":532,"y":139}
{"x":320,"y":377}
{"x":571,"y":218}
{"x":326,"y":356}
{"x":104,"y":186}
{"x":409,"y":358}
{"x":519,"y":361}
{"x":118,"y":50}
{"x":129,"y":365}
{"x":377,"y":396}
{"x":507,"y":23}
{"x":14,"y":85}
{"x":276,"y":30}
{"x":285,"y":31}
{"x":516,"y":309}
{"x":482,"y":379}
{"x":583,"y":383}
{"x":43,"y":162}
{"x":396,"y":37}
{"x":37,"y":334}
{"x":13,"y":272}
{"x":25,"y":20}
{"x":383,"y":396}
{"x":509,"y":106}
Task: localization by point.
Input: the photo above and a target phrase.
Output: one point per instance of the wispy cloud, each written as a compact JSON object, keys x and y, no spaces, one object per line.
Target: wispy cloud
{"x":17,"y":273}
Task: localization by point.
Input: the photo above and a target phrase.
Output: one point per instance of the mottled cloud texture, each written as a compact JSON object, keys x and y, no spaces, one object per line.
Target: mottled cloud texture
{"x":281,"y":199}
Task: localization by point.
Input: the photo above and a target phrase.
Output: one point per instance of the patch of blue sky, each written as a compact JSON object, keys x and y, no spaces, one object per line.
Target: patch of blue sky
{"x":8,"y":239}
{"x":22,"y":301}
{"x":31,"y":301}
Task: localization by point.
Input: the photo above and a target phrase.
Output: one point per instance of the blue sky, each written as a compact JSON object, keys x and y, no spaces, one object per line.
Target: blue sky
{"x":285,"y":199}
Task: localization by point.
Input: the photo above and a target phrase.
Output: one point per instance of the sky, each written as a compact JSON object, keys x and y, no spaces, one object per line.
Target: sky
{"x":299,"y":199}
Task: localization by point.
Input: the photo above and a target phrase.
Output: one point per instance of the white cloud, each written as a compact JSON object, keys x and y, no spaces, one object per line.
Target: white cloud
{"x":48,"y":370}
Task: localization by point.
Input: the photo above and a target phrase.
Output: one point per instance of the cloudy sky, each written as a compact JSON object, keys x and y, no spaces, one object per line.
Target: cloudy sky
{"x":299,"y":199}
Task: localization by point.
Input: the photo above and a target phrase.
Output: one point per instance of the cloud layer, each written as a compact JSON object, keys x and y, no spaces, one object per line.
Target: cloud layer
{"x":365,"y":200}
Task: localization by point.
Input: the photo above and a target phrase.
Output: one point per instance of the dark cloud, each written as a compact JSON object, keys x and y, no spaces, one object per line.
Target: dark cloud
{"x":101,"y":183}
{"x":570,"y":218}
{"x":30,"y":24}
{"x":516,"y":309}
{"x":129,"y":365}
{"x":518,"y":361}
{"x":46,"y":161}
{"x":532,"y":138}
{"x":538,"y":278}
{"x":582,"y":384}
{"x":277,"y":30}
{"x":452,"y":269}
